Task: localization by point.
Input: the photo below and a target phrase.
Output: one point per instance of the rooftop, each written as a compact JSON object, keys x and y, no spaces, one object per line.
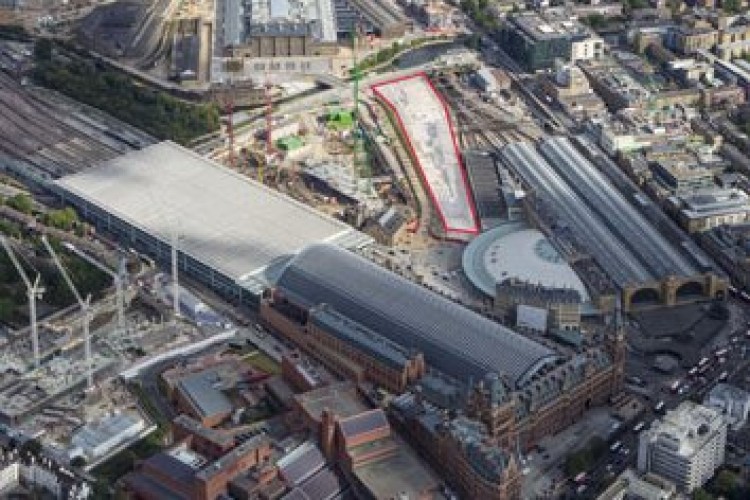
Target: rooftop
{"x":516,"y":251}
{"x":400,"y":473}
{"x":630,"y":484}
{"x":226,"y":221}
{"x":685,"y":429}
{"x":711,"y":202}
{"x":341,"y":398}
{"x":301,"y":463}
{"x":537,"y":27}
{"x":206,"y":399}
{"x":359,"y":336}
{"x":94,"y":434}
{"x":291,"y":17}
{"x":363,"y":423}
{"x":453,"y":339}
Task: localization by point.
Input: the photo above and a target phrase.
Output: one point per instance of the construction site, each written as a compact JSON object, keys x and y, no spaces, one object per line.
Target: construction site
{"x":61,"y":377}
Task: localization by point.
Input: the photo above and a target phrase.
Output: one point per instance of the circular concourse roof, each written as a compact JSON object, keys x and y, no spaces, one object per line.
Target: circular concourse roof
{"x":515,"y":251}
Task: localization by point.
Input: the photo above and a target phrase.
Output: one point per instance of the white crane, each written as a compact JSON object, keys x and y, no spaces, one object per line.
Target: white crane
{"x":175,"y":272}
{"x":118,"y":277}
{"x":85,"y":309}
{"x":34,"y":291}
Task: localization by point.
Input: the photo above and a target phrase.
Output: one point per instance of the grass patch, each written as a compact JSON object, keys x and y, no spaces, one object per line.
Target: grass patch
{"x":262,"y":362}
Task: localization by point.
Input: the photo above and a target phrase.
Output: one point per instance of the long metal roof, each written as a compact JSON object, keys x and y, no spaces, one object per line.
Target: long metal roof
{"x":452,"y":338}
{"x":612,"y":254}
{"x":653,"y":250}
{"x":224,"y":220}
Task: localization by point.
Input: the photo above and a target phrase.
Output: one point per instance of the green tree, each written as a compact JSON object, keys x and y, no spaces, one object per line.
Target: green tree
{"x":726,"y":482}
{"x":21,"y":202}
{"x":32,"y":446}
{"x":731,"y":6}
{"x":8,"y":228}
{"x":7,"y":309}
{"x":64,"y":219}
{"x":43,"y":49}
{"x":701,"y":494}
{"x":78,"y":461}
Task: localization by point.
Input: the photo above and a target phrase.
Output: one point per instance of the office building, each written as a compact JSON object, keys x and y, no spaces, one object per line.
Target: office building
{"x":685,"y":447}
{"x":535,"y":42}
{"x":631,"y":486}
{"x":732,"y":402}
{"x":709,"y":208}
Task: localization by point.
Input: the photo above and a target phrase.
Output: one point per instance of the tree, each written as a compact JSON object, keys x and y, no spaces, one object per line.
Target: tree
{"x":731,"y":6}
{"x":7,"y":309}
{"x":726,"y":482}
{"x":43,"y":49}
{"x":701,"y":494}
{"x":78,"y":461}
{"x":21,"y":202}
{"x":64,"y":219}
{"x":32,"y":446}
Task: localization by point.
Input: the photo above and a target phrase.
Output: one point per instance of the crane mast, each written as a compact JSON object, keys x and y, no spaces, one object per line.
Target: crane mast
{"x":33,"y":292}
{"x":85,"y":305}
{"x":118,"y":279}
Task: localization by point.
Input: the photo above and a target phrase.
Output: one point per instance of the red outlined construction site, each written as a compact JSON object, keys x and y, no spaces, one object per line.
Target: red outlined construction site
{"x":447,"y":184}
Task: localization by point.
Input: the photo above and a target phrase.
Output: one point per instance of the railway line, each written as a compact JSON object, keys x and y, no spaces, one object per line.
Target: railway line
{"x":619,"y":261}
{"x":614,"y":210}
{"x":48,"y":136}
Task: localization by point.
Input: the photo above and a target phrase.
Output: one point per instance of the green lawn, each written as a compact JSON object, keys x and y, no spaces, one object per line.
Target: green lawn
{"x":260,"y":361}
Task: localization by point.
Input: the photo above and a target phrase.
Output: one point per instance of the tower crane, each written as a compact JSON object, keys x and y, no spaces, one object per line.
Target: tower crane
{"x":34,"y":291}
{"x":118,"y":277}
{"x":361,"y":168}
{"x":85,"y":305}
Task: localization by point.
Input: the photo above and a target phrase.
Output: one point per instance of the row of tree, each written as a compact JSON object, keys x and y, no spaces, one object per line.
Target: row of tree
{"x":158,"y":113}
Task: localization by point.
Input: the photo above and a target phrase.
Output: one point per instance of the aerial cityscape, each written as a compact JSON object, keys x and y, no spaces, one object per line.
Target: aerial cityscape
{"x":375,"y":249}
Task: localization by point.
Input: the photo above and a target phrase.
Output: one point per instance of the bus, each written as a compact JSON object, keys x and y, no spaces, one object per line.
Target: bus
{"x":693,"y":371}
{"x":724,"y":376}
{"x":704,"y":360}
{"x":615,"y":446}
{"x":659,"y":407}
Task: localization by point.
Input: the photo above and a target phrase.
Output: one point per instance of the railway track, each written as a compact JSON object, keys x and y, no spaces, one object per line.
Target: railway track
{"x":52,"y":136}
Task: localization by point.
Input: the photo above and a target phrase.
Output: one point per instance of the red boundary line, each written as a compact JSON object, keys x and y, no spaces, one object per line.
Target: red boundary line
{"x":461,"y":167}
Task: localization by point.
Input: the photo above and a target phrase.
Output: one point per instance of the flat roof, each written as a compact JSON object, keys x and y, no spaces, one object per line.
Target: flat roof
{"x":516,"y":251}
{"x":341,"y":398}
{"x":208,"y":400}
{"x":425,"y":121}
{"x":399,"y":473}
{"x":228,"y":222}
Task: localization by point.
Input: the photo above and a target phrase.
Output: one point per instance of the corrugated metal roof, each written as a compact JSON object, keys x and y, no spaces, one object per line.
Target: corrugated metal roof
{"x":301,"y":463}
{"x":362,"y":338}
{"x":453,"y":339}
{"x":364,"y":422}
{"x":206,"y":399}
{"x":325,"y":485}
{"x":171,"y":467}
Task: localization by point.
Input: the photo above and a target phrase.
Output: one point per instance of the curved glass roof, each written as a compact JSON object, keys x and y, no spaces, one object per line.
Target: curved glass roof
{"x":453,"y":339}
